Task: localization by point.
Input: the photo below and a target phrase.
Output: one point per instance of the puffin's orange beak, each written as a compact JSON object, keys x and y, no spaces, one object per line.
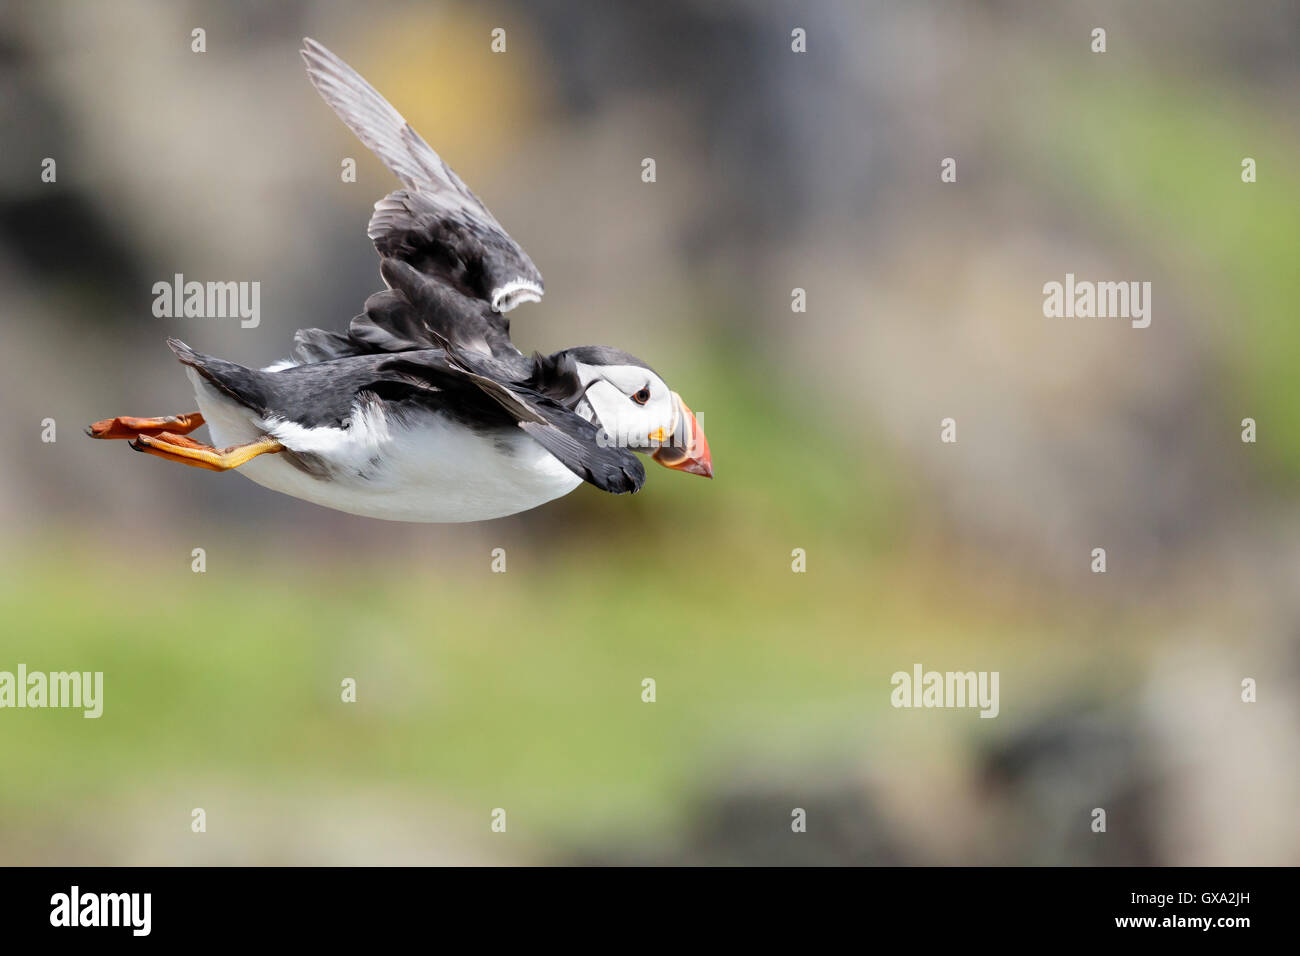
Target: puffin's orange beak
{"x":687,"y":449}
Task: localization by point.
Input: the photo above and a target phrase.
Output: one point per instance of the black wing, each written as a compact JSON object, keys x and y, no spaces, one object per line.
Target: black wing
{"x":324,"y":394}
{"x":448,"y":264}
{"x":581,"y":446}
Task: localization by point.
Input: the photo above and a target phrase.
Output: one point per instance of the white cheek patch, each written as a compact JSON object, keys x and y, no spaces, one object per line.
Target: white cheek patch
{"x":667,"y":418}
{"x":636,"y":426}
{"x":627,"y":423}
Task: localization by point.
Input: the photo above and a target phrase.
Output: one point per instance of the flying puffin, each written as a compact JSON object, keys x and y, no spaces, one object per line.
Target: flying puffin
{"x":423,"y":410}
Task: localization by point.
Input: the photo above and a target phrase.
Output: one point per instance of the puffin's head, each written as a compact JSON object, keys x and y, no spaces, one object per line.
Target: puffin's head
{"x":638,"y":411}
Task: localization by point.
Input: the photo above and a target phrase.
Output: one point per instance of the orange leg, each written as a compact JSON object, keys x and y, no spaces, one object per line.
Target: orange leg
{"x":187,"y":451}
{"x":125,"y":426}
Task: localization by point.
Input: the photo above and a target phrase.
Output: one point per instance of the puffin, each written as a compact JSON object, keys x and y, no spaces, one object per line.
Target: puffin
{"x":423,"y":410}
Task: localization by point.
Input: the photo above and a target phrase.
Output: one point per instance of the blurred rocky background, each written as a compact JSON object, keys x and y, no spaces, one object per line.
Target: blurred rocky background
{"x":775,"y":171}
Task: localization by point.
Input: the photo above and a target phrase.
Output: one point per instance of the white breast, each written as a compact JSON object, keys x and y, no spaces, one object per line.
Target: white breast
{"x":426,"y":468}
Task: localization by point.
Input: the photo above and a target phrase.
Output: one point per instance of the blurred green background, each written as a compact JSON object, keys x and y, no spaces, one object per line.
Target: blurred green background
{"x":776,"y":171}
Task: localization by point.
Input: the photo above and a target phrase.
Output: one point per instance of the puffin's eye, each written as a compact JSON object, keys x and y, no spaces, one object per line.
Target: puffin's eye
{"x":642,"y":396}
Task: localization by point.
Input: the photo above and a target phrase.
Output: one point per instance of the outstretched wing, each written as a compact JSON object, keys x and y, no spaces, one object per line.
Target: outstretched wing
{"x":447,"y":262}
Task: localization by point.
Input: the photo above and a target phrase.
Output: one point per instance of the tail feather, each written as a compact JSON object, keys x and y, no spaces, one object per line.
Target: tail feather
{"x":244,"y":385}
